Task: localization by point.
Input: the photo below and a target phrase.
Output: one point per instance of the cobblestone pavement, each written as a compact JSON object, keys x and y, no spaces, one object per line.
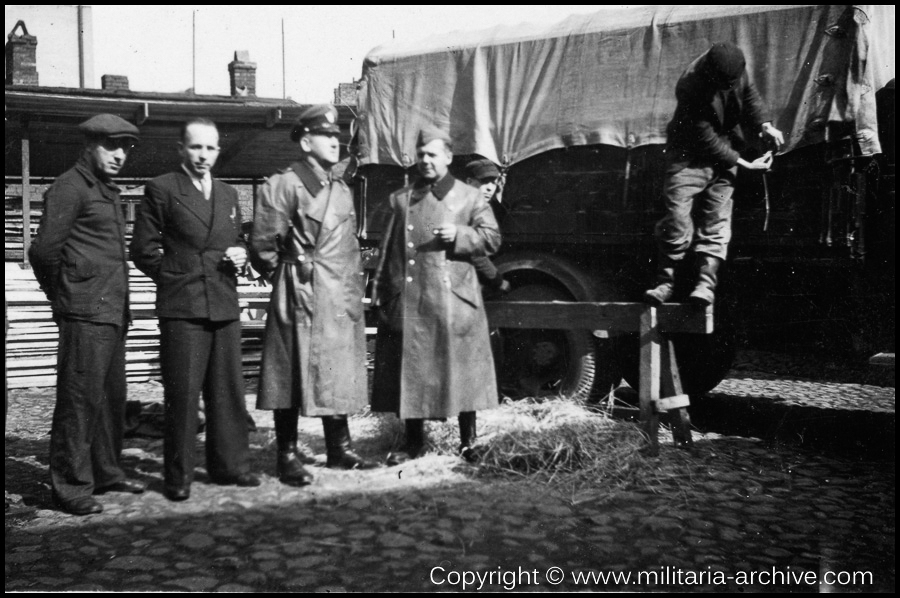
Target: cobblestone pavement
{"x":737,"y":514}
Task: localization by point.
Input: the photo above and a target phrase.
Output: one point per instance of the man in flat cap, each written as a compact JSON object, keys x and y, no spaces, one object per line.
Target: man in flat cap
{"x":433,"y":356}
{"x":79,"y":259}
{"x":717,"y":104}
{"x":187,"y":238}
{"x":484,"y":175}
{"x":314,"y":356}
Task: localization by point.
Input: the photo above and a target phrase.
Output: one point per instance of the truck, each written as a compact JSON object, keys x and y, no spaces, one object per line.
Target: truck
{"x":574,"y":114}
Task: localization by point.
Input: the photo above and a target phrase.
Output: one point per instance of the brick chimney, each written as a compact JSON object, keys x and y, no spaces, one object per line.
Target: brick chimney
{"x":243,"y":75}
{"x":345,"y":94}
{"x":114,"y":83}
{"x":21,"y":57}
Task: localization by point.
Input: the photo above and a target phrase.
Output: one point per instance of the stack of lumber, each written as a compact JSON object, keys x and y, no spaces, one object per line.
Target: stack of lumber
{"x":31,"y":343}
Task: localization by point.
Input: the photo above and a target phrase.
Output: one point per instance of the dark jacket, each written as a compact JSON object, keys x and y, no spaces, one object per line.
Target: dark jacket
{"x":192,"y":280}
{"x":79,"y":255}
{"x":708,"y":122}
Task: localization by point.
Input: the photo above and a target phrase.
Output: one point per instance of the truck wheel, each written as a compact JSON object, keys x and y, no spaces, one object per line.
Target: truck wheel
{"x":539,"y":362}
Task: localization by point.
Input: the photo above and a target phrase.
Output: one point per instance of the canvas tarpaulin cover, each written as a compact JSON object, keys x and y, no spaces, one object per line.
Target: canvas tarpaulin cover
{"x":511,"y":92}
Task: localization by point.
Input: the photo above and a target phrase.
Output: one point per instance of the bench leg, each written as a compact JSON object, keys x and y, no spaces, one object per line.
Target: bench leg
{"x":670,"y":384}
{"x":650,"y":376}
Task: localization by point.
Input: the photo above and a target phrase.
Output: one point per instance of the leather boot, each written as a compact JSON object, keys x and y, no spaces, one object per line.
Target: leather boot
{"x":286,"y":434}
{"x":467,"y":436}
{"x":289,"y":464}
{"x":337,"y":443}
{"x":705,"y":292}
{"x":415,"y":443}
{"x":665,"y":280}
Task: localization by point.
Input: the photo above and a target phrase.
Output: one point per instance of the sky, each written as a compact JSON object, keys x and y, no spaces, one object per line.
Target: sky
{"x":323,"y":45}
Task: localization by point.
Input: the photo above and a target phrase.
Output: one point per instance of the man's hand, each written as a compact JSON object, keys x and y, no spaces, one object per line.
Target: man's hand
{"x":774,"y":134}
{"x":237,"y":256}
{"x":446,"y":233}
{"x":764,"y":162}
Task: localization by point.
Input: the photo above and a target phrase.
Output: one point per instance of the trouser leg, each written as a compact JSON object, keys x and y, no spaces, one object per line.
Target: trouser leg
{"x":227,"y":442}
{"x":107,"y":450}
{"x":714,"y":210}
{"x":85,"y":356}
{"x":184,"y":356}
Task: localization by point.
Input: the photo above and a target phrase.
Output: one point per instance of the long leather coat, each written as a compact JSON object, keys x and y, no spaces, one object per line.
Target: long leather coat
{"x":433,"y":357}
{"x":304,"y":236}
{"x":179,"y":241}
{"x":79,"y":255}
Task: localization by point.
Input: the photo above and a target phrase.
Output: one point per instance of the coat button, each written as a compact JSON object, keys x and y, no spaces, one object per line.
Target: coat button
{"x":409,"y":279}
{"x":410,"y":244}
{"x":412,"y":262}
{"x":302,"y":258}
{"x":410,"y":227}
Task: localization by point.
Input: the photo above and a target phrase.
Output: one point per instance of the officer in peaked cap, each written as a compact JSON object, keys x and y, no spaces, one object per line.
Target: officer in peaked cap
{"x":320,"y":119}
{"x":314,"y":357}
{"x":80,"y":261}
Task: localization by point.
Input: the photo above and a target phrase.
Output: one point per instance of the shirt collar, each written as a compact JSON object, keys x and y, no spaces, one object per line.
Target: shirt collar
{"x":194,"y":179}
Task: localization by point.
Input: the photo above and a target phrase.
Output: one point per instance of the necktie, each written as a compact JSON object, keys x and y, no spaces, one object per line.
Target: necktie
{"x":206,"y":186}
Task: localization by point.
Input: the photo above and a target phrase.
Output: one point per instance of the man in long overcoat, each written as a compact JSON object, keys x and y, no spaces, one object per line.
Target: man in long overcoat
{"x":187,"y":238}
{"x":80,"y":262}
{"x":433,"y":354}
{"x":314,"y":357}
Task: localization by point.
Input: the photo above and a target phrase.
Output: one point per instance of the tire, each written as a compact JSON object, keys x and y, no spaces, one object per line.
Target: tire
{"x":539,"y":362}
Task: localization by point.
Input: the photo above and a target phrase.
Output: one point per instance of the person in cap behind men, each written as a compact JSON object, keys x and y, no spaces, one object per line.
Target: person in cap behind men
{"x":187,"y":239}
{"x":314,"y":356}
{"x":716,"y":101}
{"x":433,"y":356}
{"x":79,"y":260}
{"x":483,"y":174}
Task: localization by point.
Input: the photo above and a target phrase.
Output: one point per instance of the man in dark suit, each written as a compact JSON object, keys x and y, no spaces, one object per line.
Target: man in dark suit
{"x":716,"y":103}
{"x":79,"y":260}
{"x":187,"y":238}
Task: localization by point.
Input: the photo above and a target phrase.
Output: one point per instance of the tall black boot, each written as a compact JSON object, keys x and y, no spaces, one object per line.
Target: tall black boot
{"x":467,"y":436}
{"x":289,"y":463}
{"x":665,"y":279}
{"x":707,"y":278}
{"x":415,"y":443}
{"x":337,"y":443}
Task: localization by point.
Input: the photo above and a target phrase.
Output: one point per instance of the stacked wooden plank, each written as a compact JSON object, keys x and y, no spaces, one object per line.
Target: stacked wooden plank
{"x":31,"y":342}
